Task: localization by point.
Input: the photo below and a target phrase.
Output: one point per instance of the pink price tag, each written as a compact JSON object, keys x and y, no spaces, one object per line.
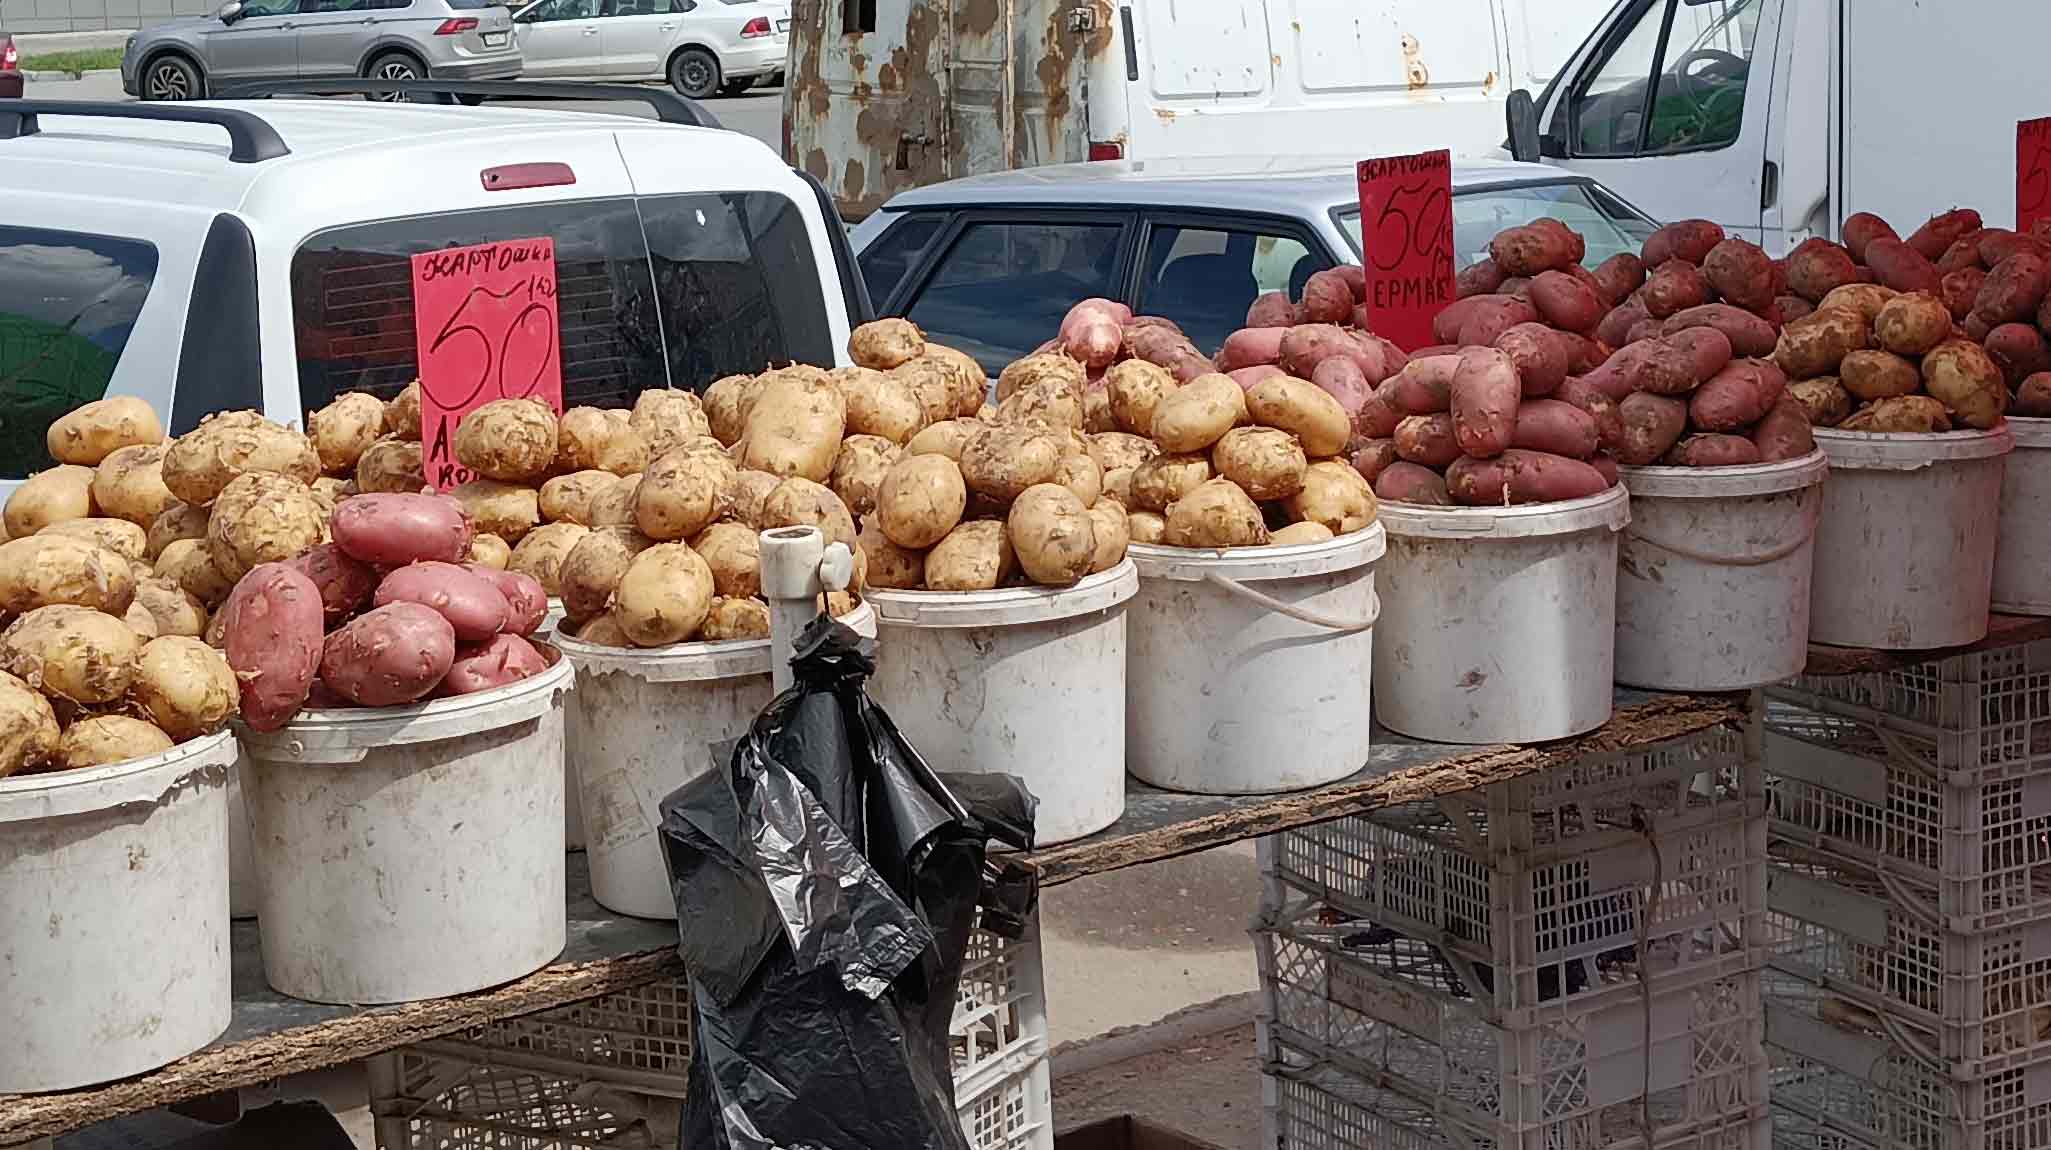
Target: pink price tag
{"x":484,"y":327}
{"x":1406,"y":242}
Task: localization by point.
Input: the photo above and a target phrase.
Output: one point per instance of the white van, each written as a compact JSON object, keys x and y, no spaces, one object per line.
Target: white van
{"x":1779,"y":118}
{"x":886,"y":95}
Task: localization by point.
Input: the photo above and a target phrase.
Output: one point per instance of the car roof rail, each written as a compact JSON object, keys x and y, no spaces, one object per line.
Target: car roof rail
{"x":669,"y":107}
{"x":251,"y":139}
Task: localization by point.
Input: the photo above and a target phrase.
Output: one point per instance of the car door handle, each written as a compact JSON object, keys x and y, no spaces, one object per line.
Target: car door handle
{"x":591,"y":31}
{"x":666,"y":27}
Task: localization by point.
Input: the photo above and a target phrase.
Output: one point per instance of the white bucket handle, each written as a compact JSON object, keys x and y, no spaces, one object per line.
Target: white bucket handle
{"x":1313,"y":618}
{"x":1811,"y":517}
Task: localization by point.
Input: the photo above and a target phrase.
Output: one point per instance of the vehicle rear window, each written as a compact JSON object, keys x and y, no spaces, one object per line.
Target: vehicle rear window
{"x":1003,"y":288}
{"x":672,"y":291}
{"x":68,"y":302}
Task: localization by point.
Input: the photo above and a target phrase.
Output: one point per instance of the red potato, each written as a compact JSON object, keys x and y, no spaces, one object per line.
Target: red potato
{"x":1652,"y":425}
{"x":1817,"y":268}
{"x":1964,"y":252}
{"x":1482,"y":329}
{"x":1619,"y":276}
{"x":1997,"y":244}
{"x":1941,"y":231}
{"x":1556,"y":427}
{"x":1518,"y":286}
{"x":1530,"y":249}
{"x":1408,"y":483}
{"x":1784,"y":433}
{"x":472,"y":605}
{"x":526,"y":599}
{"x":271,"y":634}
{"x":345,"y":584}
{"x":1583,"y":354}
{"x":1452,"y":349}
{"x":1674,"y":286}
{"x":2044,"y":315}
{"x":1589,"y":281}
{"x":1479,"y":278}
{"x":2013,"y":290}
{"x":1976,"y":328}
{"x":1306,"y":345}
{"x":1960,"y":290}
{"x":1607,"y":468}
{"x":1738,"y":397}
{"x":389,"y":655}
{"x":1250,"y":346}
{"x":1713,"y":451}
{"x":1377,"y":358}
{"x":1374,"y":456}
{"x":1519,"y":477}
{"x":1746,"y":333}
{"x":1565,"y":302}
{"x":1644,"y":329}
{"x":1340,"y":378}
{"x":1577,"y":248}
{"x":1246,"y":377}
{"x":390,"y":530}
{"x":1111,"y":309}
{"x":1540,"y":359}
{"x":1187,"y":364}
{"x":1427,"y":440}
{"x":1792,"y":308}
{"x":1609,"y":422}
{"x":1861,"y":229}
{"x":1355,"y":278}
{"x":1707,"y":349}
{"x":1446,"y":325}
{"x":2033,"y":398}
{"x":2019,"y":350}
{"x":1423,"y":387}
{"x":1615,"y":328}
{"x":1326,"y":298}
{"x":1095,"y":344}
{"x":1741,"y":272}
{"x":1689,"y":241}
{"x":1902,"y":267}
{"x":1654,"y":365}
{"x":497,"y":662}
{"x":1271,"y":309}
{"x":1486,"y":393}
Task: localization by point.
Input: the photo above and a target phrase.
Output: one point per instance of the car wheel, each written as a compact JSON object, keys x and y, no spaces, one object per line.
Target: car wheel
{"x":736,"y":87}
{"x":694,"y":73}
{"x":171,"y":77}
{"x":396,"y":66}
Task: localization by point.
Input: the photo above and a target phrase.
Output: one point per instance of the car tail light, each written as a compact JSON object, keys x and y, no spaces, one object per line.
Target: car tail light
{"x":759,"y":26}
{"x":10,"y":58}
{"x":1106,"y":150}
{"x":455,"y":25}
{"x":512,"y":177}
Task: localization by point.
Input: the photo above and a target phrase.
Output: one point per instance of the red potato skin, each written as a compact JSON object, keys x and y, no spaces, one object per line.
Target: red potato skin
{"x":1541,"y":359}
{"x":1792,"y":308}
{"x":1654,"y":365}
{"x":1486,"y":393}
{"x":1095,"y":344}
{"x":1819,"y":267}
{"x":1306,"y":345}
{"x":1378,"y":358}
{"x":1607,"y":468}
{"x":2019,"y":350}
{"x":1583,"y":354}
{"x":1409,"y":483}
{"x":2033,"y":398}
{"x":1747,"y":333}
{"x":2013,"y":290}
{"x":1565,"y":302}
{"x":1652,"y":425}
{"x":1250,"y":346}
{"x":1374,"y":456}
{"x":1340,"y":378}
{"x":1784,"y":433}
{"x":1449,"y":325}
{"x":1689,"y":241}
{"x":345,"y":585}
{"x":496,"y":662}
{"x":1960,"y":290}
{"x":1674,"y":286}
{"x":1976,"y":328}
{"x":1647,"y":328}
{"x":1518,"y":286}
{"x":1423,"y":387}
{"x":1964,"y":252}
{"x":1482,"y":329}
{"x":271,"y":636}
{"x":1941,"y":231}
{"x":1326,"y":298}
{"x":1609,"y":423}
{"x":1738,"y":397}
{"x":526,"y":599}
{"x":1997,"y":244}
{"x":1556,"y":427}
{"x":1480,"y":278}
{"x":474,"y":608}
{"x":1577,"y":248}
{"x":1741,"y":272}
{"x":1531,"y":249}
{"x":1355,"y":278}
{"x":1713,"y":451}
{"x":1520,"y":477}
{"x":1615,"y":328}
{"x":1427,"y":440}
{"x":1445,"y":326}
{"x":1271,"y":309}
{"x":1707,"y":349}
{"x":391,"y":530}
{"x":389,"y":655}
{"x":1902,"y":267}
{"x":1246,"y":377}
{"x":1187,"y":364}
{"x":1116,"y":312}
{"x":1619,"y":276}
{"x":1861,"y":229}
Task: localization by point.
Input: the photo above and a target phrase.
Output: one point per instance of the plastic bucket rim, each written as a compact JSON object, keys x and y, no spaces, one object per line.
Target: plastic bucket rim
{"x":2030,"y":431}
{"x":1741,"y":480}
{"x":1006,"y":606}
{"x":696,"y":662}
{"x":72,"y":792}
{"x":1362,"y":548}
{"x":414,"y":723}
{"x":1609,"y":509}
{"x":1911,"y":450}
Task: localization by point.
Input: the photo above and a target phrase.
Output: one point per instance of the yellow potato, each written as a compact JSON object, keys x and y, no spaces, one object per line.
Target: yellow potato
{"x":91,"y":433}
{"x":178,"y":521}
{"x":1817,"y":343}
{"x":1335,"y":495}
{"x":975,"y":556}
{"x":343,"y":430}
{"x":330,"y":490}
{"x":1824,"y":398}
{"x":749,"y":491}
{"x":202,"y":462}
{"x":1080,"y":474}
{"x":1298,"y":533}
{"x":1096,"y":409}
{"x":682,"y":492}
{"x":1959,"y":374}
{"x":921,"y":500}
{"x":591,"y":572}
{"x":1112,"y":532}
{"x":891,"y":566}
{"x":859,"y":469}
{"x":1136,"y":388}
{"x":107,"y":739}
{"x":391,"y":466}
{"x":262,"y":518}
{"x":1199,"y":414}
{"x":591,"y":439}
{"x":52,"y":496}
{"x":1267,"y":461}
{"x":971,"y":383}
{"x":402,"y":414}
{"x":174,"y":609}
{"x":488,"y":550}
{"x":1162,"y":480}
{"x":1051,"y":401}
{"x":507,"y":510}
{"x":948,"y":437}
{"x":129,"y":484}
{"x":883,"y":344}
{"x":28,"y":727}
{"x":802,"y":503}
{"x":185,"y":686}
{"x":1217,"y":514}
{"x":567,"y":498}
{"x":795,"y":426}
{"x":1118,"y":485}
{"x":879,"y":404}
{"x":117,"y":535}
{"x":190,"y":564}
{"x":1304,"y":410}
{"x":614,"y":506}
{"x":734,"y":552}
{"x":666,"y":418}
{"x":1146,"y":527}
{"x":140,"y":621}
{"x":71,"y":652}
{"x":1871,"y":375}
{"x":1001,"y":462}
{"x":932,"y":383}
{"x":1912,"y":324}
{"x":664,"y":596}
{"x":1116,"y":449}
{"x":603,"y":631}
{"x":46,"y":569}
{"x":1046,"y":366}
{"x":511,"y":440}
{"x":723,"y":407}
{"x":1052,"y":534}
{"x":1865,"y":299}
{"x":729,"y":619}
{"x":542,"y":551}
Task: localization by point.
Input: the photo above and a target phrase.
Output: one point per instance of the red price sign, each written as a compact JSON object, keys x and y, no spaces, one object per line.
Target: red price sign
{"x":1406,"y":241}
{"x":2032,"y":172}
{"x":484,"y":326}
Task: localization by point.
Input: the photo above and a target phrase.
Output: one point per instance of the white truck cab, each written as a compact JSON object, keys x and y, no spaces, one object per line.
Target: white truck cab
{"x":1779,"y":118}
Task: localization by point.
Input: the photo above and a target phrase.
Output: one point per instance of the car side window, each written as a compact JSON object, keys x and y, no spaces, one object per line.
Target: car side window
{"x":1004,"y":286}
{"x":269,"y":8}
{"x":894,"y":253}
{"x":566,"y":10}
{"x":320,"y":6}
{"x":1694,"y":58}
{"x":1205,"y":277}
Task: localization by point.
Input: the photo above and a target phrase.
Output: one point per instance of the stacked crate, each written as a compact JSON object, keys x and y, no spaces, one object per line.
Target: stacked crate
{"x":1559,"y":961}
{"x":1909,"y":906}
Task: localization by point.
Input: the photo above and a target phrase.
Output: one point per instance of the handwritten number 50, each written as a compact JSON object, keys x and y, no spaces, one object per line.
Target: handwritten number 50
{"x":1400,"y":232}
{"x":494,"y":352}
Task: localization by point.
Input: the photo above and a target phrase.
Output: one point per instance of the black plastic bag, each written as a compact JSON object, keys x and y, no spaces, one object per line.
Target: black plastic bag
{"x":826,"y":883}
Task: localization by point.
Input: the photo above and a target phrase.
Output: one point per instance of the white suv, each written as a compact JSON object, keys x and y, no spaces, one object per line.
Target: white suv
{"x":256,"y":254}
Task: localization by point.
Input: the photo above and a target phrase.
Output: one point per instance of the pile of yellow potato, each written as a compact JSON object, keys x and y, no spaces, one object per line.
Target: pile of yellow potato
{"x":101,"y":660}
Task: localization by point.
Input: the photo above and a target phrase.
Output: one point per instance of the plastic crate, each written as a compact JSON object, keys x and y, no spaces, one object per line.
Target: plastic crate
{"x":1388,"y":1010}
{"x":1544,"y":881}
{"x":610,"y":1073}
{"x":1976,"y":848}
{"x":1841,"y":1081}
{"x":1979,"y":1003}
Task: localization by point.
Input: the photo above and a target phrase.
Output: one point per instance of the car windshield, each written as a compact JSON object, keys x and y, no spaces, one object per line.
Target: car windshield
{"x":1606,"y":222}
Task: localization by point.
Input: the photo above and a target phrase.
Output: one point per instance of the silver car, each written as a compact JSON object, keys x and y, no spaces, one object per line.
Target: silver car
{"x":307,"y":39}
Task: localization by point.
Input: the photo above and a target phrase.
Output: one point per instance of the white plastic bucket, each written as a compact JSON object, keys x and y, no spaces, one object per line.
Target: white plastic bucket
{"x":114,"y":954}
{"x":1905,"y":552}
{"x":642,"y":724}
{"x":1498,"y":623}
{"x":573,"y":809}
{"x":1226,"y":693}
{"x":1025,"y":681}
{"x":411,"y":852}
{"x":2022,"y":555}
{"x":1713,"y":574}
{"x":241,"y":853}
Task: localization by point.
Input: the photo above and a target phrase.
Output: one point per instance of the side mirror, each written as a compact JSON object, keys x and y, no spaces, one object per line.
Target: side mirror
{"x":230,"y":12}
{"x":1522,"y":115}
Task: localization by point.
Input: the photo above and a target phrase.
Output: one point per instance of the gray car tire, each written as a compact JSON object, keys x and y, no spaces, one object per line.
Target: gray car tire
{"x":395,"y":66}
{"x":694,"y":73}
{"x":171,"y":77}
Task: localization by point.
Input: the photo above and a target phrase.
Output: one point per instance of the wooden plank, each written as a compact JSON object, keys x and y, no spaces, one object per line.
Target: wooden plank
{"x":2002,"y":631}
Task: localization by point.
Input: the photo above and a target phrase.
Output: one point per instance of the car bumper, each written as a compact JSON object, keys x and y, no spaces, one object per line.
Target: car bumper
{"x":11,"y":85}
{"x":756,"y":59}
{"x":507,"y":68}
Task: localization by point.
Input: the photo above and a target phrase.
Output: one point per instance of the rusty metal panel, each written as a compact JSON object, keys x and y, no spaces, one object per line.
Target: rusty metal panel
{"x":1018,"y":70}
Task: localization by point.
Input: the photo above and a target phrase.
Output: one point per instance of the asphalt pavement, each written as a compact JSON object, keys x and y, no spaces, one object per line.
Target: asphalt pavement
{"x":757,"y":112}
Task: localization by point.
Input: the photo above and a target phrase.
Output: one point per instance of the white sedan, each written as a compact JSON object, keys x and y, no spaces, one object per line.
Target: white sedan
{"x":701,"y":47}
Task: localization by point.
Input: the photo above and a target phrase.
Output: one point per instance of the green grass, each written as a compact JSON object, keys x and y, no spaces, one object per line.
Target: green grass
{"x":99,"y":59}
